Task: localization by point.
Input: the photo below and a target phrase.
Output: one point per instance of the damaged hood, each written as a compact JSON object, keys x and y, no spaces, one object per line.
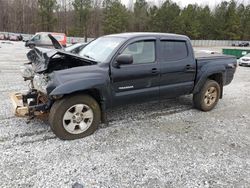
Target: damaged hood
{"x":41,"y":57}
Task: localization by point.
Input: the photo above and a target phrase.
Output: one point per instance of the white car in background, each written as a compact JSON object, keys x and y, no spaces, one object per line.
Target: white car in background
{"x":245,"y":60}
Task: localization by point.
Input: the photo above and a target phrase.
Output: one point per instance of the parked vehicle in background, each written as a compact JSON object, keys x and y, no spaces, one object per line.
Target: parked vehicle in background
{"x":244,"y":44}
{"x":114,"y":70}
{"x":41,"y":39}
{"x":241,"y":44}
{"x":75,"y":48}
{"x":2,"y":36}
{"x":245,"y":60}
{"x":14,"y":37}
{"x":11,"y":36}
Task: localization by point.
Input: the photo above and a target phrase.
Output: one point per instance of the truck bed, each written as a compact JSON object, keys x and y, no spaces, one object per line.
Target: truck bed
{"x":218,"y":61}
{"x":203,"y":55}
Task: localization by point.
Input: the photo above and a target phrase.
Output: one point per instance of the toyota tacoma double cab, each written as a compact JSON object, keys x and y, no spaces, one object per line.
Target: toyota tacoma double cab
{"x":75,"y":90}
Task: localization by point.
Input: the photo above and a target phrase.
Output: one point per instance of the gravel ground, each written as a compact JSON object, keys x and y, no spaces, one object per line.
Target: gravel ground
{"x":167,"y":144}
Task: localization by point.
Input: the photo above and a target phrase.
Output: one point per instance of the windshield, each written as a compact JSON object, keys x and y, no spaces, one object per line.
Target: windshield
{"x":101,"y":49}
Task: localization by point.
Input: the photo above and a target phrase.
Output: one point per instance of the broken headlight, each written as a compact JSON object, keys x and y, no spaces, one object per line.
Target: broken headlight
{"x":27,"y":71}
{"x":40,"y":82}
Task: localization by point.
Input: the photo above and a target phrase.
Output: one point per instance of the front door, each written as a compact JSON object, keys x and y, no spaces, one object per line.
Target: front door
{"x":139,"y":81}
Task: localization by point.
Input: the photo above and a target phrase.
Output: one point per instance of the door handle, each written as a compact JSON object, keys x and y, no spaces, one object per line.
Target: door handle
{"x":189,"y":68}
{"x":155,"y":71}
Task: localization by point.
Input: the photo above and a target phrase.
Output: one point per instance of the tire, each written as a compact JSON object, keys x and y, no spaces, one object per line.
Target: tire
{"x":207,"y":98}
{"x":69,"y":120}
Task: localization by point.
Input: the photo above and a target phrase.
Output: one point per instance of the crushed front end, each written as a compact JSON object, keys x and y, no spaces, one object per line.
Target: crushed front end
{"x":35,"y":101}
{"x":39,"y":73}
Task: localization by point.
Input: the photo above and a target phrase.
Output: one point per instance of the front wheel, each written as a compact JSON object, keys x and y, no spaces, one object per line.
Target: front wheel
{"x":75,"y":117}
{"x":207,"y":98}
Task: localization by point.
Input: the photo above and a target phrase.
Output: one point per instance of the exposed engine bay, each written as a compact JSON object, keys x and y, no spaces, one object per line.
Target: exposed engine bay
{"x":47,"y":61}
{"x":44,"y":61}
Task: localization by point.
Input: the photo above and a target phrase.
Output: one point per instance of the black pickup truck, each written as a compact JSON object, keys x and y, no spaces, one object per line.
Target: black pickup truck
{"x":115,"y":70}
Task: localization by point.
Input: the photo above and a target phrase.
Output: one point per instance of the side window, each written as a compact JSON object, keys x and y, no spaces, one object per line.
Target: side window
{"x":142,"y":51}
{"x":173,"y":50}
{"x":37,"y":37}
{"x":45,"y":37}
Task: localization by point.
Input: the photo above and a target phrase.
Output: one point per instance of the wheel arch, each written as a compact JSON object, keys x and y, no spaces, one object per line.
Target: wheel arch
{"x":93,"y":92}
{"x":216,"y":76}
{"x":95,"y":87}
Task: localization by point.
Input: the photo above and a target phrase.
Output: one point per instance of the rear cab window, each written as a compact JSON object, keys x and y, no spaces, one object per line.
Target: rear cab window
{"x":173,"y":50}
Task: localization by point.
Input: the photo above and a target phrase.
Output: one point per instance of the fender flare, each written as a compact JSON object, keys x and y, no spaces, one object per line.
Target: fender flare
{"x":204,"y":76}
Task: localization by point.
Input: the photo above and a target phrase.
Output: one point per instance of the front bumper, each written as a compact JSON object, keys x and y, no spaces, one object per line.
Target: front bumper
{"x":28,"y":104}
{"x":244,"y":63}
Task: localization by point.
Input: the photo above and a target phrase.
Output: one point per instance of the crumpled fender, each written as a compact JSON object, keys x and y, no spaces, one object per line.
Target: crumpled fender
{"x":78,"y":85}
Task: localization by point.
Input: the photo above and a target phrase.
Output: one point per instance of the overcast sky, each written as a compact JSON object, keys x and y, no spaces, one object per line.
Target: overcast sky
{"x":183,"y":3}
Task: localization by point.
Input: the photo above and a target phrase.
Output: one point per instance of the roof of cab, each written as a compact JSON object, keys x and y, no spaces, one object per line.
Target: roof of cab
{"x":149,"y":34}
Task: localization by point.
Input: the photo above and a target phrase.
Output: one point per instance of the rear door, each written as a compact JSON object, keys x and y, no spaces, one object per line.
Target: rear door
{"x":139,"y":81}
{"x":178,"y":68}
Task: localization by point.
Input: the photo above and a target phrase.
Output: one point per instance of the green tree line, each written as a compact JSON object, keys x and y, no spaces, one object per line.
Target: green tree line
{"x":92,"y":18}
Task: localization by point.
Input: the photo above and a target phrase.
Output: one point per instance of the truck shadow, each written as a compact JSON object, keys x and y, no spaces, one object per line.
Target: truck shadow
{"x":149,"y":110}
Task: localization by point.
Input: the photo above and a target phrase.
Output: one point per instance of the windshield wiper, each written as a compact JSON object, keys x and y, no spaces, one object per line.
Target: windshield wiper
{"x":85,"y":55}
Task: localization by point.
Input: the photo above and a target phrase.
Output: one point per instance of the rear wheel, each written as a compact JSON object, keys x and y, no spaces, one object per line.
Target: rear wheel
{"x":74,"y":117}
{"x":208,"y":96}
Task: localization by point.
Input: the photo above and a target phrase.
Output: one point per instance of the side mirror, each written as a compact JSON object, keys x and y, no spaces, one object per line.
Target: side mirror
{"x":124,"y":59}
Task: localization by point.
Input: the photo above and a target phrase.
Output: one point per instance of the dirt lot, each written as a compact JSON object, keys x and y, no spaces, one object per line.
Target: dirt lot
{"x":167,"y":144}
